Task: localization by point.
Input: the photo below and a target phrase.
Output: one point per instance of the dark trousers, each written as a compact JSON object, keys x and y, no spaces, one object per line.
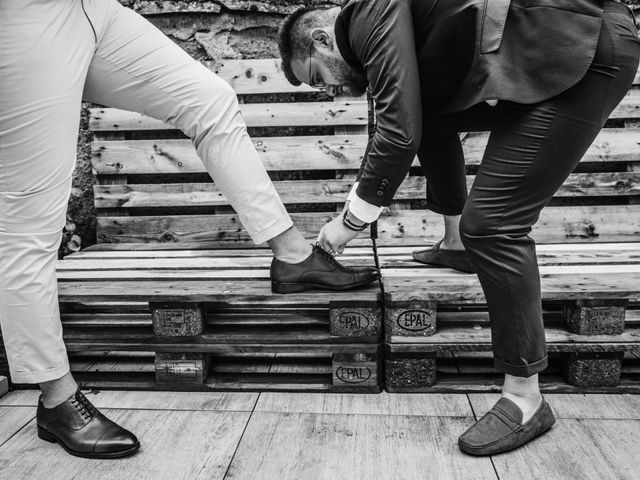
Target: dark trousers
{"x":532,"y":149}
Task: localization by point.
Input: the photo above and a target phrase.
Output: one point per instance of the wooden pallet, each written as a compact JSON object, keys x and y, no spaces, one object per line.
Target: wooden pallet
{"x":591,"y":313}
{"x":197,"y":309}
{"x":473,"y":372}
{"x":348,"y":368}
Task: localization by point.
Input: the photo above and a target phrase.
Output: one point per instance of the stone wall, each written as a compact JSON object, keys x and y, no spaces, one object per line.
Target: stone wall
{"x":207,"y":30}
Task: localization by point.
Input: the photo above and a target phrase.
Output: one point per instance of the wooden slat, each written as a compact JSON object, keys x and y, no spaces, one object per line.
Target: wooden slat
{"x":548,"y":254}
{"x":299,"y":114}
{"x":251,"y":76}
{"x":313,"y":152}
{"x":106,"y":273}
{"x":284,"y":114}
{"x":332,"y":191}
{"x":183,"y":264}
{"x":412,"y":285}
{"x":558,"y":340}
{"x":139,"y":251}
{"x":611,"y":223}
{"x":225,"y":292}
{"x":276,"y":153}
{"x":455,"y":287}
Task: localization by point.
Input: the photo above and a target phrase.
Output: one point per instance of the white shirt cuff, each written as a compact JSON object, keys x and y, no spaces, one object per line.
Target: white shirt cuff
{"x":364,"y":211}
{"x":352,"y":192}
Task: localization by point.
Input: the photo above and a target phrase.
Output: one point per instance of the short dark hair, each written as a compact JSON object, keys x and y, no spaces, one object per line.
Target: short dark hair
{"x":292,"y":39}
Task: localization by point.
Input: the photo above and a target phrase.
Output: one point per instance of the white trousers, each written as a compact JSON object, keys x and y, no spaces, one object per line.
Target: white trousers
{"x":53,"y":55}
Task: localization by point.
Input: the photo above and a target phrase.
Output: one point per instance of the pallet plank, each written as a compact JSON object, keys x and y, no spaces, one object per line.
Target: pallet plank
{"x":314,"y":152}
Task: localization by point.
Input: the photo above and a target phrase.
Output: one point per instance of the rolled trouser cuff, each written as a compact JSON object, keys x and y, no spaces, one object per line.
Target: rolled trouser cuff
{"x":41,"y":376}
{"x":273,"y":230}
{"x":521,"y":370}
{"x":448,"y":210}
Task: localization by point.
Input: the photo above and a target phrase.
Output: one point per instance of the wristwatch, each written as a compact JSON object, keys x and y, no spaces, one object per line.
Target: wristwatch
{"x":352,"y":222}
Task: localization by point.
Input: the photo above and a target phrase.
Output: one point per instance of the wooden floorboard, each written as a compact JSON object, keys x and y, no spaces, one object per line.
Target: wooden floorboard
{"x":175,"y":445}
{"x":213,"y":401}
{"x":12,"y":419}
{"x":376,"y":404}
{"x":294,"y":446}
{"x":325,"y":436}
{"x":589,"y":406}
{"x":576,"y":449}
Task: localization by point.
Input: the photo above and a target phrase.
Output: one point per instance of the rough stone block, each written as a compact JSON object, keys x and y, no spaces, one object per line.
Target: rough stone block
{"x":594,"y":369}
{"x":596,"y":317}
{"x":405,"y":373}
{"x":178,"y":319}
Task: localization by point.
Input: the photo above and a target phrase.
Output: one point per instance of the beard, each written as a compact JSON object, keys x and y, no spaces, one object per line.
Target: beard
{"x":352,"y":81}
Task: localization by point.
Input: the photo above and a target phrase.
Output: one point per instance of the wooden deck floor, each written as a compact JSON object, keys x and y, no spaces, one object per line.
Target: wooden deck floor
{"x":326,"y":436}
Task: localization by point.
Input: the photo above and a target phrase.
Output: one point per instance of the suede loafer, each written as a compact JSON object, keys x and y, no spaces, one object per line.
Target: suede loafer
{"x":502,"y":430}
{"x":456,"y":259}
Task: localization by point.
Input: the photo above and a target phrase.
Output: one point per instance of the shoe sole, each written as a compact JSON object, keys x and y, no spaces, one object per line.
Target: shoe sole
{"x":282,"y":287}
{"x":51,"y":438}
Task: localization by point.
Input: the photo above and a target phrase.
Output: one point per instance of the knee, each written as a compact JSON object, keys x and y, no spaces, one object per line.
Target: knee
{"x":214,"y":108}
{"x":474,"y":226}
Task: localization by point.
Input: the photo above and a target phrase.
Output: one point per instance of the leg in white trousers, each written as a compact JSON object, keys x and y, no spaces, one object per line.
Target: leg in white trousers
{"x":50,"y":53}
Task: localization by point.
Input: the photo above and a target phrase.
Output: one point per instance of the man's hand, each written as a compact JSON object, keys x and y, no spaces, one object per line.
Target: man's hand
{"x":334,"y":236}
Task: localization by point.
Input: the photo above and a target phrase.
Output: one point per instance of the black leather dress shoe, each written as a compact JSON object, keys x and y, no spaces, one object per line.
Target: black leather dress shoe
{"x":439,"y":257}
{"x":319,"y":271}
{"x":502,"y":430}
{"x":83,"y":431}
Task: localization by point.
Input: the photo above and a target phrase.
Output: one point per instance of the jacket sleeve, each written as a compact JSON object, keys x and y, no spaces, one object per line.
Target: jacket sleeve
{"x":389,"y":58}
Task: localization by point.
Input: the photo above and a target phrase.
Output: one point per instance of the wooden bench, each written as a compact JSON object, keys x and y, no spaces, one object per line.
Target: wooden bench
{"x":437,"y":334}
{"x":176,"y":296}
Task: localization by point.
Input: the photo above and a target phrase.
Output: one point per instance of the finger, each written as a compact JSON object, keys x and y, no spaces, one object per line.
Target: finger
{"x":341,"y":248}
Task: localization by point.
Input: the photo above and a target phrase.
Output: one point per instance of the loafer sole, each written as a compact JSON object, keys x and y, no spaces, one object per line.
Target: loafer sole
{"x":50,"y":437}
{"x":297,"y":287}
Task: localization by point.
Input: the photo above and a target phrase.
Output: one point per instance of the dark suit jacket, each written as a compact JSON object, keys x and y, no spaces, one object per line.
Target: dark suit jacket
{"x":448,"y":55}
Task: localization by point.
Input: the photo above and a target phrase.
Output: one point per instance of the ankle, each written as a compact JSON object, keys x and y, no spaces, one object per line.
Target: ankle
{"x":452,"y":244}
{"x":58,"y":391}
{"x":290,"y":246}
{"x":294,"y":257}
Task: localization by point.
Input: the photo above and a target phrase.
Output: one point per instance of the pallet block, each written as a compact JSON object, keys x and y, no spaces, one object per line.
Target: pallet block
{"x":595,"y":317}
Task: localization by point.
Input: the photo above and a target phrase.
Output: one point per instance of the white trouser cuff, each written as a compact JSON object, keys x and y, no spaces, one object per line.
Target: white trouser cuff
{"x":273,"y":230}
{"x":41,"y":376}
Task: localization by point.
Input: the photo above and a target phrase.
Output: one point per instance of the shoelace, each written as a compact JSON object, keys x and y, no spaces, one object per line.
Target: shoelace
{"x":82,"y":403}
{"x":330,"y":258}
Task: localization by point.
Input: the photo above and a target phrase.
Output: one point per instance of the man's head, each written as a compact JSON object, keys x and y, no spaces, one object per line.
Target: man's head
{"x":310,"y":55}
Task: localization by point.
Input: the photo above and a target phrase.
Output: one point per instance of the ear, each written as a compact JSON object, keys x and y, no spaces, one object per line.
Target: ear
{"x":322,"y":39}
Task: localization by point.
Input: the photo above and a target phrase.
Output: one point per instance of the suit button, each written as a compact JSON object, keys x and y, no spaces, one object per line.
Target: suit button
{"x":385,"y":181}
{"x":380,"y":193}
